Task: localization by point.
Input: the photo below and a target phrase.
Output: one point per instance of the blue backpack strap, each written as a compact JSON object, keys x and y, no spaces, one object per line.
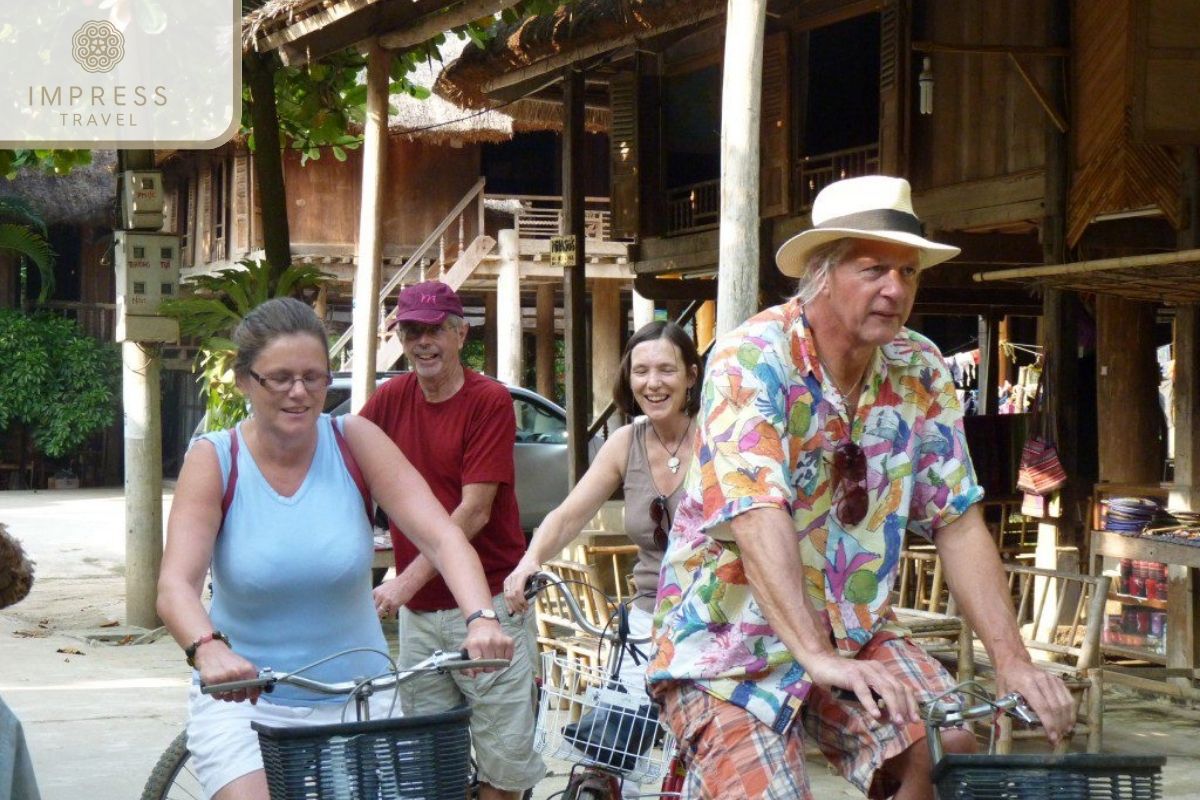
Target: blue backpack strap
{"x":231,"y":484}
{"x":355,"y":473}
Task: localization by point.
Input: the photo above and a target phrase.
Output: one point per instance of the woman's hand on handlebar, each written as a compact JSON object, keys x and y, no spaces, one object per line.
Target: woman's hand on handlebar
{"x":219,"y":664}
{"x":514,"y":585}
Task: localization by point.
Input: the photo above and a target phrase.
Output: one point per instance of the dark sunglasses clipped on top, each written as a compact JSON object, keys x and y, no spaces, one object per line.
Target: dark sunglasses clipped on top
{"x":849,"y":484}
{"x":660,"y":515}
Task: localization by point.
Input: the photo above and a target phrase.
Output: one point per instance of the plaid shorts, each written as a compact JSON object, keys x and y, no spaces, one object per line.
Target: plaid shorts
{"x":731,"y":755}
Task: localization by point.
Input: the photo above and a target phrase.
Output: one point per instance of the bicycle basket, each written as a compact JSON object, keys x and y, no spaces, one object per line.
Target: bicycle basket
{"x":588,"y":716}
{"x":1073,"y":776}
{"x":425,"y":756}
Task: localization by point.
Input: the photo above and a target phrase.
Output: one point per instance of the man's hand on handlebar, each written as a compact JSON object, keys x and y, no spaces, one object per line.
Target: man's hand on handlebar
{"x":1045,"y":693}
{"x":869,"y":683}
{"x":486,"y":639}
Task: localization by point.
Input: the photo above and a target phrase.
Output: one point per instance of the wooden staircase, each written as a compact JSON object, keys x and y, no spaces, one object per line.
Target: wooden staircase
{"x":388,"y":348}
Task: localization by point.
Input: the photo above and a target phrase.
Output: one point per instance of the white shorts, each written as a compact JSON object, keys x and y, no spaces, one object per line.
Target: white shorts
{"x":224,"y":747}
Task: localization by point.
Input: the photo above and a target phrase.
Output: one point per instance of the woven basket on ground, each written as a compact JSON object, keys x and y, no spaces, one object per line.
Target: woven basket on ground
{"x":16,"y":570}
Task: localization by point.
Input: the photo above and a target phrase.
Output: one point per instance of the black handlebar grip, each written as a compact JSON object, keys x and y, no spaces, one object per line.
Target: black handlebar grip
{"x":464,"y":655}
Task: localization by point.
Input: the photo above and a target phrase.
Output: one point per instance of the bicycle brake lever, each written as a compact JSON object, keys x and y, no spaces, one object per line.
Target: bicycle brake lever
{"x":1025,"y":715}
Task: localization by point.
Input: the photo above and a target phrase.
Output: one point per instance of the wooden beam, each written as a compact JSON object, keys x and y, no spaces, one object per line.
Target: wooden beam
{"x":1099,"y":265}
{"x":545,"y":340}
{"x":922,"y":46}
{"x":1039,"y":94}
{"x":440,"y":21}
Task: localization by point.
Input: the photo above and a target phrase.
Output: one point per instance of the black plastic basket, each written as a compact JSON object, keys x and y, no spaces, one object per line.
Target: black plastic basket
{"x":424,"y":757}
{"x":1073,"y":776}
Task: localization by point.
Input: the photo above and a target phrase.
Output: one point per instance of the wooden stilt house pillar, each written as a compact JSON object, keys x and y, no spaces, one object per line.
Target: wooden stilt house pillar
{"x":606,"y":341}
{"x":508,"y":311}
{"x":546,"y":338}
{"x":741,"y":112}
{"x":369,"y":261}
{"x":574,"y":286}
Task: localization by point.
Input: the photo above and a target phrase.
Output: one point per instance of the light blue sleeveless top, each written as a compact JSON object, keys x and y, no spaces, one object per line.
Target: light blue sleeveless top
{"x":292,"y":575}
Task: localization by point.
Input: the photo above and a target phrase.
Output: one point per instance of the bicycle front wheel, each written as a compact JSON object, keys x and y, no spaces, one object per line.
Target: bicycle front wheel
{"x":172,"y":777}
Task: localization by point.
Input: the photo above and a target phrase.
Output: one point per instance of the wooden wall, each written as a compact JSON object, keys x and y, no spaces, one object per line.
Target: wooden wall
{"x":1111,"y":170}
{"x":986,"y":122}
{"x":424,"y":183}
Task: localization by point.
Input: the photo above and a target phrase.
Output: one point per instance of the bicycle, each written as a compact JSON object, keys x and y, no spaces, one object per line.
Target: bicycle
{"x":605,"y":725}
{"x":381,"y":758}
{"x":1069,"y":776}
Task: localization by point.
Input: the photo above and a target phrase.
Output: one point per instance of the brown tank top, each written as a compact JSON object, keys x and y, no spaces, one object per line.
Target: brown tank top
{"x":640,"y":492}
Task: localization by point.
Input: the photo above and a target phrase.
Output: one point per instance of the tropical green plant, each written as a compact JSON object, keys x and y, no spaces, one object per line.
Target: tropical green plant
{"x":23,"y":232}
{"x":58,"y":385}
{"x":217,"y":304}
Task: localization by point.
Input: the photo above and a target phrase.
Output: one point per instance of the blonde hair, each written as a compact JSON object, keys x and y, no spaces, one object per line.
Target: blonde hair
{"x":817,"y":266}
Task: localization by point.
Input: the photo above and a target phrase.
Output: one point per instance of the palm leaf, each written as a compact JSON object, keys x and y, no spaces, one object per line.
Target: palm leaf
{"x":30,"y":244}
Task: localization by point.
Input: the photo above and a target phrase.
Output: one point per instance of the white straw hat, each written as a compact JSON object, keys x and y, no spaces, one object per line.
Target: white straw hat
{"x":871,"y":207}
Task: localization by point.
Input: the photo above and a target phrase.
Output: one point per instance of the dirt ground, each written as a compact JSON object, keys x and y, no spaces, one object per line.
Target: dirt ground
{"x":97,"y":715}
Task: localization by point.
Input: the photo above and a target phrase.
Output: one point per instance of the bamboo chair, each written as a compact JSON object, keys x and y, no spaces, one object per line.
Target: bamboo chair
{"x":615,"y":563}
{"x":1061,"y":616}
{"x":923,"y":605}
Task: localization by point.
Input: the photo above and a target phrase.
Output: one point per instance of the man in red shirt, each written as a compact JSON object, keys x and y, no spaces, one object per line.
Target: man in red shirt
{"x":458,"y":429}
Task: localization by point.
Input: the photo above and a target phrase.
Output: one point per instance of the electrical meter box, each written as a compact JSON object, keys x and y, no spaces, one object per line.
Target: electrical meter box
{"x":147,"y":273}
{"x":142,"y":200}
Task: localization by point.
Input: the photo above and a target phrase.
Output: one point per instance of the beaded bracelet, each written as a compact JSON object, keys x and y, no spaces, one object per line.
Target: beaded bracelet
{"x":214,"y":636}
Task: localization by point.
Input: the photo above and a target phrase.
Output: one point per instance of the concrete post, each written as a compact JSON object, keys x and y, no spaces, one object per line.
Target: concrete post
{"x":369,"y":259}
{"x":643,"y":311}
{"x":140,"y":395}
{"x":741,"y":113}
{"x":508,"y":310}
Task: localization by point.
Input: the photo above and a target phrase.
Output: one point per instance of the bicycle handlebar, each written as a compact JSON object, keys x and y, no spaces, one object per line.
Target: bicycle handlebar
{"x":438,"y":662}
{"x":538,"y":582}
{"x":944,"y":713}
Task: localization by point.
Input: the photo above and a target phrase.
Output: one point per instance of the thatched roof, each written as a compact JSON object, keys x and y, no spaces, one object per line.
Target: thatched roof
{"x":585,"y":27}
{"x":85,"y":196}
{"x":275,"y":14}
{"x":439,"y":120}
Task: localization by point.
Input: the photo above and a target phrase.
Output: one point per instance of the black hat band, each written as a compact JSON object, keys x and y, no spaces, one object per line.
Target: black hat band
{"x":877,"y":219}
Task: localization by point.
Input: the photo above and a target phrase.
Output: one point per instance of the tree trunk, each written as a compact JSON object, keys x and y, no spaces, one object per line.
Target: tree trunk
{"x":268,"y":161}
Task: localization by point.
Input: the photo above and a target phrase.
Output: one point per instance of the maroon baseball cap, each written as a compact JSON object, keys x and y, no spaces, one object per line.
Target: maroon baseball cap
{"x":428,"y":303}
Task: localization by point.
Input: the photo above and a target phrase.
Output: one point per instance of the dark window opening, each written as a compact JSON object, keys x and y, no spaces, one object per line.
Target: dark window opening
{"x":842,"y":108}
{"x":692,"y":126}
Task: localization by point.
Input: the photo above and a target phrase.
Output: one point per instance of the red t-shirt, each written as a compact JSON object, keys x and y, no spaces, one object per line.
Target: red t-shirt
{"x":468,"y":438}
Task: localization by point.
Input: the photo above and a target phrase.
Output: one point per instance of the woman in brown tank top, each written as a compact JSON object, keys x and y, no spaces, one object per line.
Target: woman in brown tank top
{"x":649,"y":458}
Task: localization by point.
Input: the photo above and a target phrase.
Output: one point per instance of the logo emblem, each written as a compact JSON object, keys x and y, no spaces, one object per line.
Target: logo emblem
{"x":98,"y":46}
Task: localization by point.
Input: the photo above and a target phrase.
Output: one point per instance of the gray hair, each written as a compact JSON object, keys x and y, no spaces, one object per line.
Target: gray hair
{"x":454,"y":322}
{"x":820,"y":261}
{"x":282,"y":316}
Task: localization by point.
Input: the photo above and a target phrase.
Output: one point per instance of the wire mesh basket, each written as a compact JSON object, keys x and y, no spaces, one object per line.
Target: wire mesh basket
{"x":1073,"y":776}
{"x":588,"y":716}
{"x":425,"y":756}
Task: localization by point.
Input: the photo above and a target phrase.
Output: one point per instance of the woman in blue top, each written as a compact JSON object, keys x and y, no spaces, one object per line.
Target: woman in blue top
{"x":275,"y":509}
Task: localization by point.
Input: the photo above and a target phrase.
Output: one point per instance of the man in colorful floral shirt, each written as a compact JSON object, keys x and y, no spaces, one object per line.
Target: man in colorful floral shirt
{"x":827,"y":430}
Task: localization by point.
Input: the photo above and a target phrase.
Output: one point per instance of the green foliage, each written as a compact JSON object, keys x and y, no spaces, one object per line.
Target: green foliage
{"x":58,"y":162}
{"x":322,"y":105}
{"x":23,"y":231}
{"x":217,"y":305}
{"x":57,"y":382}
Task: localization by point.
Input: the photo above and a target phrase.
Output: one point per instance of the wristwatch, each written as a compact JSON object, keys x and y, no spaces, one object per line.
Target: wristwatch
{"x":484,"y":613}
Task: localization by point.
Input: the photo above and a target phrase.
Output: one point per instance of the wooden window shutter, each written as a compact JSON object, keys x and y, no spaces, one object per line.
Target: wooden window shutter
{"x":1166,"y":64}
{"x":256,"y":223}
{"x":775,"y":191}
{"x":241,"y":206}
{"x":204,"y":213}
{"x":624,"y":154}
{"x":893,"y":45}
{"x":187,"y":225}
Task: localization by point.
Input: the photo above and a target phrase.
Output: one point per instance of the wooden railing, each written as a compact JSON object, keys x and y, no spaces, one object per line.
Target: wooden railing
{"x":694,"y":207}
{"x":815,"y":172}
{"x":94,"y":319}
{"x":541,"y":217}
{"x":420,"y":258}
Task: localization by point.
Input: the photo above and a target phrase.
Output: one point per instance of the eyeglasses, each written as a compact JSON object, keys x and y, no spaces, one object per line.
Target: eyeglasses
{"x":282,"y":382}
{"x":659,"y":513}
{"x":850,"y":483}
